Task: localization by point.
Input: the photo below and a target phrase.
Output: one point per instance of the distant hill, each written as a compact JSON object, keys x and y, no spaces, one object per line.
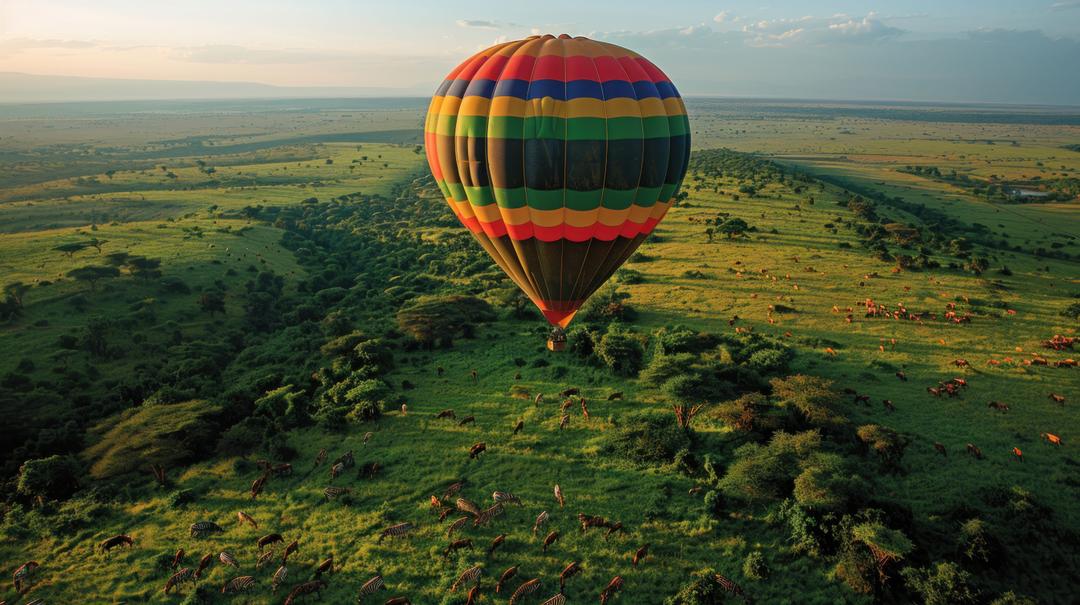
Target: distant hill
{"x":30,"y":88}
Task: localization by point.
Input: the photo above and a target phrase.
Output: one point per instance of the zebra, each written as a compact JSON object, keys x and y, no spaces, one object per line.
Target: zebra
{"x":471,"y":574}
{"x":728,"y":585}
{"x":227,"y":558}
{"x":550,"y":539}
{"x":201,"y":529}
{"x":588,"y":521}
{"x":280,"y":576}
{"x":204,"y":563}
{"x":498,"y":496}
{"x":609,"y":591}
{"x":488,"y":514}
{"x":394,"y":531}
{"x":506,"y":575}
{"x":524,"y":590}
{"x":319,"y":458}
{"x":568,"y":572}
{"x":370,"y":587}
{"x":332,"y":492}
{"x":453,"y":488}
{"x":264,"y":558}
{"x":268,"y":539}
{"x":456,"y":525}
{"x":467,"y":506}
{"x":541,"y":519}
{"x":313,"y":587}
{"x":246,"y":518}
{"x":559,"y":495}
{"x":23,"y":574}
{"x":558,"y":599}
{"x":238,"y":584}
{"x":336,"y":470}
{"x":178,"y":578}
{"x":497,"y":542}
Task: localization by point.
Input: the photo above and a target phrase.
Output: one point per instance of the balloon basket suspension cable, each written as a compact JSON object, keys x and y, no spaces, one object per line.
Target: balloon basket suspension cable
{"x":556,"y":339}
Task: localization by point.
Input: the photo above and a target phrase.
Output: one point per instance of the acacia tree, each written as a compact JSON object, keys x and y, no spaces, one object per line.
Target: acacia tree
{"x":92,"y":274}
{"x":432,"y":320}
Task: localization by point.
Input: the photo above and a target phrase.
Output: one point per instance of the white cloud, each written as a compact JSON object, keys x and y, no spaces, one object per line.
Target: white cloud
{"x":1064,"y":6}
{"x":723,"y":16}
{"x":232,"y":54}
{"x":478,"y":23}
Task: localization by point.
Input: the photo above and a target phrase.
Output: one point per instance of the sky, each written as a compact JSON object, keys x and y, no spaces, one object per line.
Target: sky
{"x":995,"y":51}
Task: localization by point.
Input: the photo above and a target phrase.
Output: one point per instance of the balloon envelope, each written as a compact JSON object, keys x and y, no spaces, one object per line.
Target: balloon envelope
{"x":560,"y":155}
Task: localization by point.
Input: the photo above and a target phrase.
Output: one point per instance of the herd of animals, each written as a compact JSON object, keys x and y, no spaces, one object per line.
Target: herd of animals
{"x":471,"y":513}
{"x":466,"y":513}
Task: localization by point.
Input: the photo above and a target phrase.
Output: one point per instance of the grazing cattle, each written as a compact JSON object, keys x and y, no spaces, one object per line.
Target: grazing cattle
{"x":888,"y":405}
{"x":640,"y":555}
{"x":120,"y":541}
{"x":540,"y":520}
{"x":204,"y":563}
{"x":243,"y":517}
{"x":550,"y":539}
{"x":941,"y":449}
{"x":471,"y":574}
{"x":476,"y":450}
{"x":961,"y":363}
{"x":615,"y":395}
{"x":1058,"y":399}
{"x":394,"y":531}
{"x":177,"y":559}
{"x":571,"y":570}
{"x":1018,"y":453}
{"x":457,"y":545}
{"x":519,"y":426}
{"x":1051,"y":438}
{"x":178,"y":578}
{"x":371,"y":587}
{"x":227,"y":558}
{"x":290,"y":549}
{"x":524,"y":590}
{"x":467,"y":506}
{"x":327,"y":566}
{"x":279,"y":578}
{"x":313,"y":587}
{"x":446,"y":414}
{"x":456,"y":525}
{"x":999,"y":406}
{"x":332,"y":492}
{"x":495,"y":544}
{"x":498,"y":496}
{"x":238,"y":584}
{"x":467,"y":420}
{"x":506,"y":575}
{"x":23,"y":574}
{"x":974,"y":451}
{"x":268,"y":539}
{"x":611,"y":589}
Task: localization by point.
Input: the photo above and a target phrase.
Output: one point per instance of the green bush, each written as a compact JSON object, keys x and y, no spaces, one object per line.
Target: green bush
{"x":647,"y":438}
{"x":702,"y":591}
{"x":621,"y":351}
{"x":55,"y":477}
{"x":944,"y":583}
{"x":755,"y":567}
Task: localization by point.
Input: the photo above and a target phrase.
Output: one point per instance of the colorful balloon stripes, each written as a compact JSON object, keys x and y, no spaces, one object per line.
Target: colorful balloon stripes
{"x":560,"y":155}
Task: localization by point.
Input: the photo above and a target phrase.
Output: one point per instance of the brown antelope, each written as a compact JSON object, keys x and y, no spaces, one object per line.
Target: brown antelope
{"x":467,"y":420}
{"x":506,"y":575}
{"x":449,"y":414}
{"x":609,"y":591}
{"x":1019,"y":454}
{"x":974,"y":451}
{"x":571,"y":570}
{"x":243,"y":517}
{"x":496,"y":543}
{"x":268,"y":539}
{"x":1051,"y":438}
{"x":457,"y":545}
{"x":999,"y":406}
{"x":941,"y":449}
{"x":117,"y":541}
{"x":204,"y":563}
{"x":559,"y":495}
{"x":640,"y":555}
{"x":888,"y":405}
{"x":476,"y":450}
{"x":519,"y":426}
{"x":550,"y":539}
{"x":1058,"y":399}
{"x":178,"y":558}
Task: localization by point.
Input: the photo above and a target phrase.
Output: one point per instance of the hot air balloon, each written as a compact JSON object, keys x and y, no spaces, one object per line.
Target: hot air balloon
{"x":560,"y":155}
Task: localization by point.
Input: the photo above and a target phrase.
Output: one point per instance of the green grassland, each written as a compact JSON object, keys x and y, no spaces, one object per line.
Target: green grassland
{"x":364,"y":257}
